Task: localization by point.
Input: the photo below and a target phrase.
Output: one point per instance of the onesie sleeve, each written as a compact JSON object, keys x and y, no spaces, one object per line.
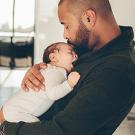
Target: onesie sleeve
{"x":56,"y":84}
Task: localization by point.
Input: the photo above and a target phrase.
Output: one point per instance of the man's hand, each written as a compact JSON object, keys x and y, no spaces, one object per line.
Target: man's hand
{"x":2,"y":119}
{"x":33,"y":78}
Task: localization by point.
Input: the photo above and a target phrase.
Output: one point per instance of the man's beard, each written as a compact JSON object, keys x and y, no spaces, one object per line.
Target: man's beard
{"x":82,"y":36}
{"x":81,"y":42}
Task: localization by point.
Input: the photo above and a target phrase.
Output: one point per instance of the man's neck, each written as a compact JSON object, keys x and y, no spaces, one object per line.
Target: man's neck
{"x":107,"y":31}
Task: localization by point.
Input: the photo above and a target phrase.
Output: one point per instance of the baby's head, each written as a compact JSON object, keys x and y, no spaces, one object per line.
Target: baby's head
{"x":60,"y":54}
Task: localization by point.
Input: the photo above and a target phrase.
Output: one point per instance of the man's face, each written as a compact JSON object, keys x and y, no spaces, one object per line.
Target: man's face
{"x":74,"y":30}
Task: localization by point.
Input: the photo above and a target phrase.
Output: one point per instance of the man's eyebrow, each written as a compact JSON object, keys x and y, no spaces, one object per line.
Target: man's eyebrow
{"x":62,"y":23}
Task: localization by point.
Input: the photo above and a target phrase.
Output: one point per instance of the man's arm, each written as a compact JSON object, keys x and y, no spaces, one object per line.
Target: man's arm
{"x":100,"y":97}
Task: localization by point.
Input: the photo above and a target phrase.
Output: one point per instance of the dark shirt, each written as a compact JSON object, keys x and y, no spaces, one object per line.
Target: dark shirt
{"x":100,"y":101}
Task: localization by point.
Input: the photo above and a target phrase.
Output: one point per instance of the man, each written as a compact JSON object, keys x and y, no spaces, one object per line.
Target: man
{"x":106,"y":91}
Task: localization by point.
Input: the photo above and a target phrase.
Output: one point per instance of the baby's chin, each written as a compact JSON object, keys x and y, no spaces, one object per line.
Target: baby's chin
{"x":70,"y":68}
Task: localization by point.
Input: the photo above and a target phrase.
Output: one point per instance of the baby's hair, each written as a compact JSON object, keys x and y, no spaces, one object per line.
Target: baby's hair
{"x":50,"y":49}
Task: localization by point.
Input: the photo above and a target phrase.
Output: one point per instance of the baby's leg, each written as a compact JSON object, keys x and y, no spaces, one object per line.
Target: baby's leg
{"x":1,"y":116}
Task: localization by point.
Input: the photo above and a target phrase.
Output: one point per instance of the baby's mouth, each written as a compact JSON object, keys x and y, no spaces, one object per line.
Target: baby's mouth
{"x":71,"y":66}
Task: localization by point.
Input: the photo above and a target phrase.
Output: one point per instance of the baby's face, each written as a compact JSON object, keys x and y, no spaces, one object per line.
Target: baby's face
{"x":66,"y":56}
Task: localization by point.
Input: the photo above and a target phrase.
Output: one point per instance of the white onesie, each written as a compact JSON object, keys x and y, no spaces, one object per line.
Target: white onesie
{"x":27,"y":106}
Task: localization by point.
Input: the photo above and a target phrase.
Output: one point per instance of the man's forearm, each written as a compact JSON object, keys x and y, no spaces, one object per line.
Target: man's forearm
{"x":21,"y":128}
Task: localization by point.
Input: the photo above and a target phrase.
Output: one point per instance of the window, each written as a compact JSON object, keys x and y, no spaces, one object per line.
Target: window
{"x":23,"y":17}
{"x":17,"y":30}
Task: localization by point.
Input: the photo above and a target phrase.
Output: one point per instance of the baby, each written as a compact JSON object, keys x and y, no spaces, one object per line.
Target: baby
{"x":28,"y":106}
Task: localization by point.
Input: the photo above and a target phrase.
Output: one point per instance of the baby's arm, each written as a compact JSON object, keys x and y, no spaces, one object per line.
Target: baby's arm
{"x":58,"y":86}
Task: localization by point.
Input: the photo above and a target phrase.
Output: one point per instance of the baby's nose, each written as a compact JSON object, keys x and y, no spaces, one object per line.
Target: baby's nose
{"x":75,"y":57}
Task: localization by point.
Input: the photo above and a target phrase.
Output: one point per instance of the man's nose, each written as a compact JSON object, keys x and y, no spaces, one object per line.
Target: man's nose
{"x":65,"y":35}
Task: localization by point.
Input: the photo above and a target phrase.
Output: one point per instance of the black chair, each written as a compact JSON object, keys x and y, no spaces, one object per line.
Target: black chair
{"x":18,"y":54}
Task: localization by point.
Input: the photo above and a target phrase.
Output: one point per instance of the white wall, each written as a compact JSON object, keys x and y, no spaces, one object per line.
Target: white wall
{"x":49,"y":30}
{"x":124,"y":11}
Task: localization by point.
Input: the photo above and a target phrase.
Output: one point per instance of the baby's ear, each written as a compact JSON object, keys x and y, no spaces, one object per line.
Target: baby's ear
{"x":52,"y":57}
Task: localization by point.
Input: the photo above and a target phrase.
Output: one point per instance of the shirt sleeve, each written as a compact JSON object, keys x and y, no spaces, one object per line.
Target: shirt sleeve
{"x":99,"y":99}
{"x":56,"y":84}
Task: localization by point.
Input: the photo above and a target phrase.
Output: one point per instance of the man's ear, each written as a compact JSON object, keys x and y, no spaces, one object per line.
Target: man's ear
{"x":52,"y":57}
{"x":89,"y":18}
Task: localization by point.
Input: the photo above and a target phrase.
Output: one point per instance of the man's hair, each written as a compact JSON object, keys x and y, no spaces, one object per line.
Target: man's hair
{"x":101,"y":7}
{"x":50,"y":49}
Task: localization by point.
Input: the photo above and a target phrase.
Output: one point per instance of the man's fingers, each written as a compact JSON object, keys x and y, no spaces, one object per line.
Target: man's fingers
{"x":33,"y":78}
{"x":37,"y":83}
{"x":42,"y":65}
{"x":31,"y":85}
{"x":38,"y":75}
{"x":24,"y":87}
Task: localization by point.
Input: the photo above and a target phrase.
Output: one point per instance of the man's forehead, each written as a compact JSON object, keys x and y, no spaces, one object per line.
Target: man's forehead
{"x":62,"y":10}
{"x":64,"y":3}
{"x":65,"y":17}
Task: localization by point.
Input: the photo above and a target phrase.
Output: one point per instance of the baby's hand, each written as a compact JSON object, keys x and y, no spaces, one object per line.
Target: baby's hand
{"x":73,"y":78}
